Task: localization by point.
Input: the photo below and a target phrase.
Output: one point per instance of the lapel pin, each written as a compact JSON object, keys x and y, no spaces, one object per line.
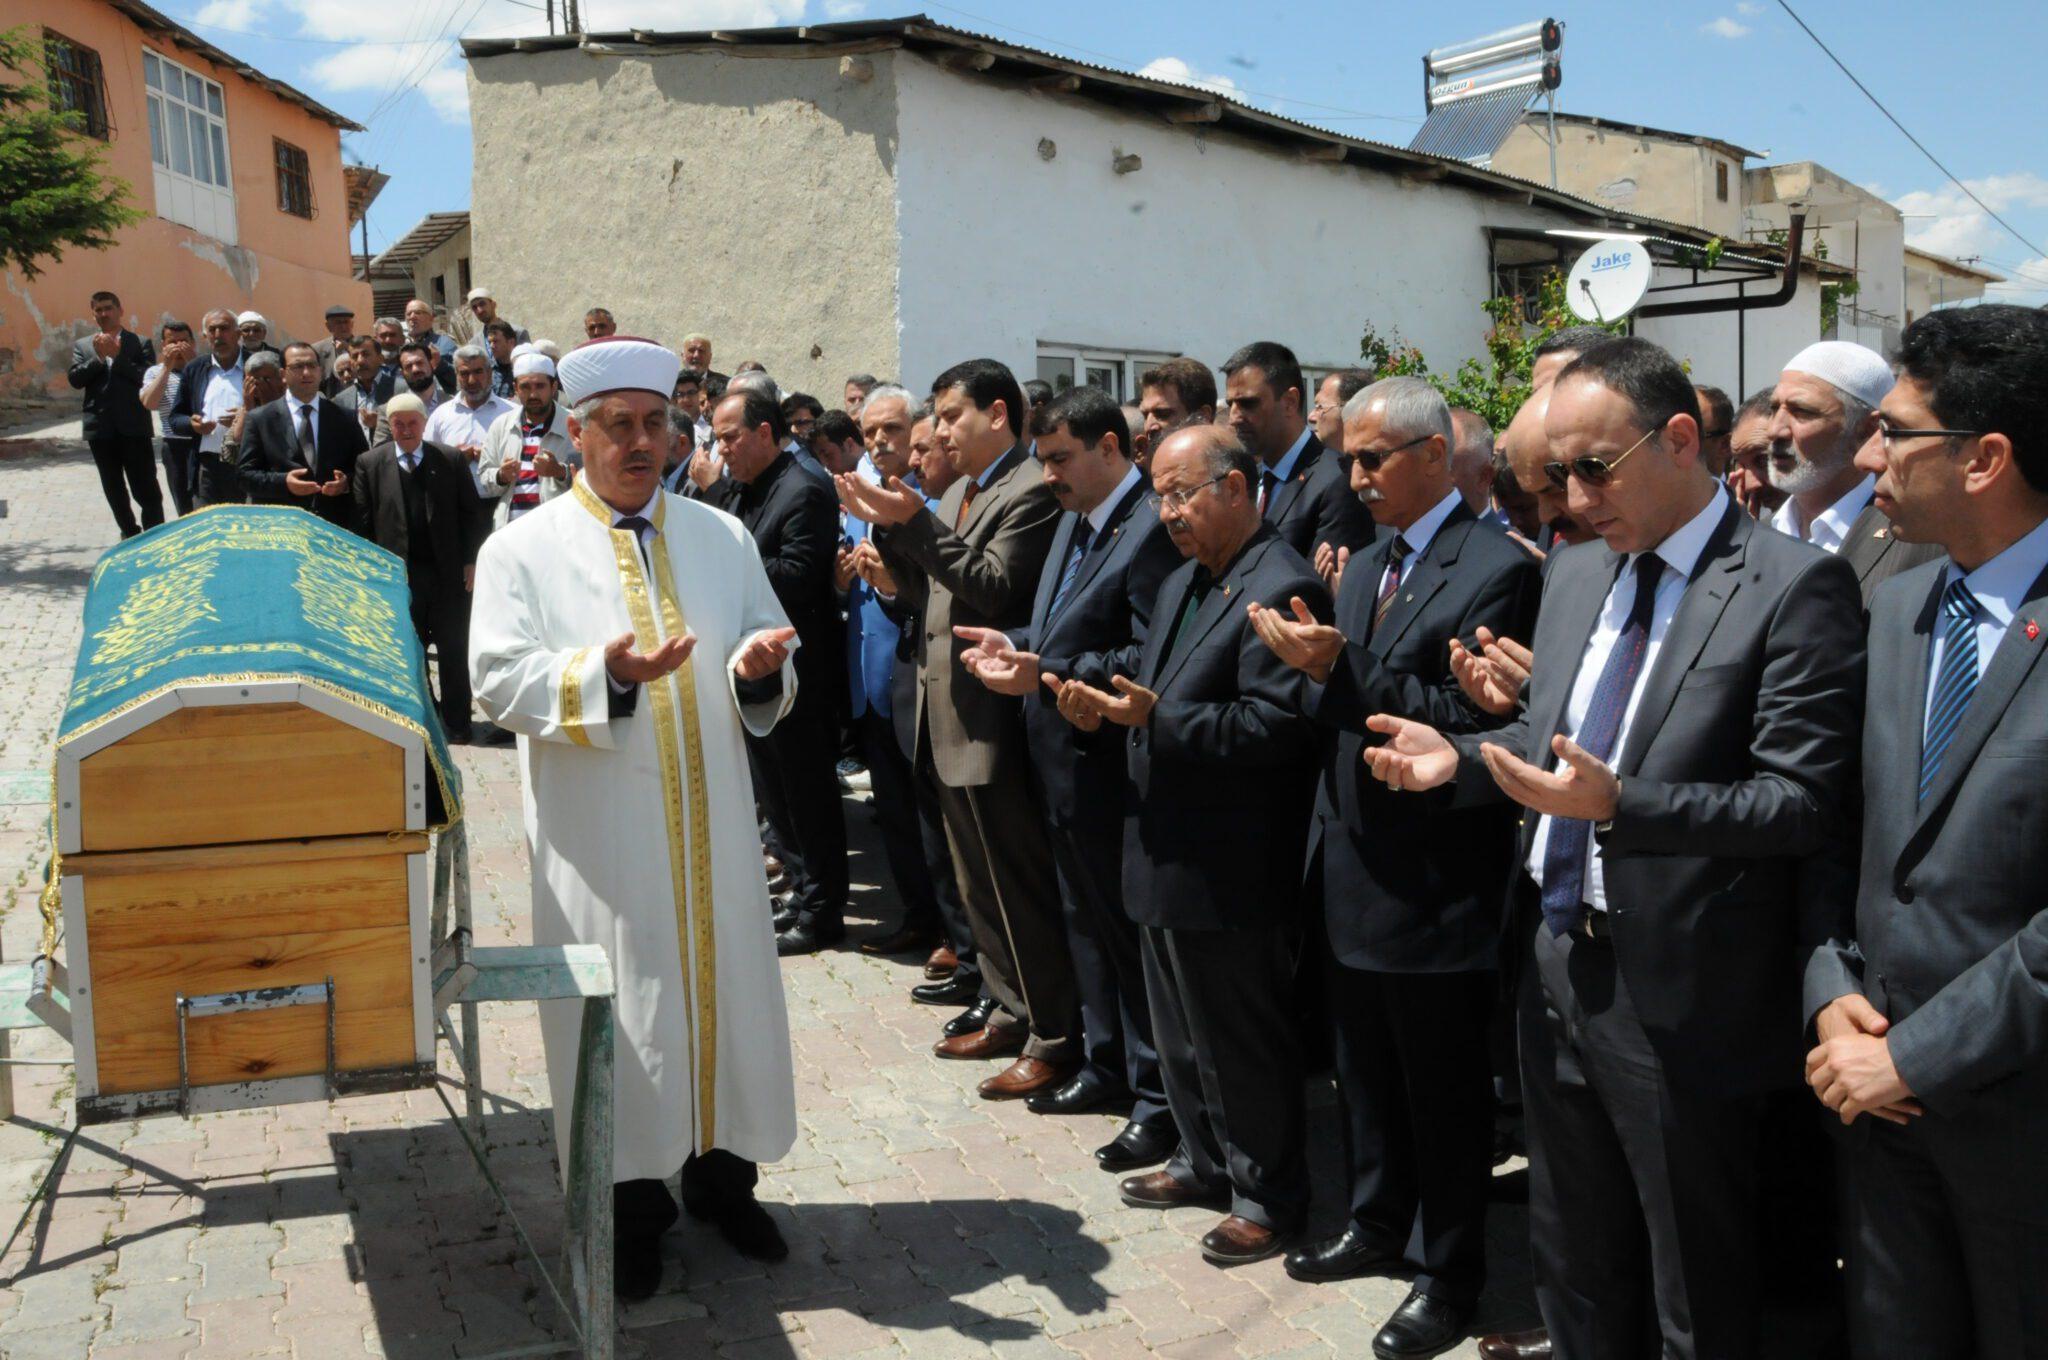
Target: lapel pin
{"x":1882,"y":533}
{"x":2033,"y":630}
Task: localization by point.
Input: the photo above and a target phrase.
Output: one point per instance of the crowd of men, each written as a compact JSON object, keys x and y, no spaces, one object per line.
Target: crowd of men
{"x":1665,"y":771}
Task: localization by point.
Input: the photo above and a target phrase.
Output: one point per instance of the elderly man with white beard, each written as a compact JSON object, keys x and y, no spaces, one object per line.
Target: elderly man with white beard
{"x":1823,"y":410}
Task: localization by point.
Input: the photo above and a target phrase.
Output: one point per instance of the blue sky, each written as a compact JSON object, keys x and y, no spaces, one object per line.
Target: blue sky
{"x":1966,"y":80}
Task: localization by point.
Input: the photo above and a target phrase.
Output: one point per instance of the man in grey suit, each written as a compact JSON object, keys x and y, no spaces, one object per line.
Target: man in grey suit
{"x":1823,"y":410}
{"x":108,"y":366}
{"x":1687,"y":741}
{"x":1932,"y":1015}
{"x":975,"y":562}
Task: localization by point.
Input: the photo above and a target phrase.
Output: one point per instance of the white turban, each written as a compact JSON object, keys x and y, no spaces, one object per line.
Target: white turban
{"x":402,"y":403}
{"x":618,"y":364}
{"x":252,"y":319}
{"x":1849,"y":368}
{"x":532,"y":361}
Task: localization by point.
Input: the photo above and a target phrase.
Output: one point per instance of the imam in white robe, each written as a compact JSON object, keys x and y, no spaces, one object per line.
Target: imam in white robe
{"x":642,"y":827}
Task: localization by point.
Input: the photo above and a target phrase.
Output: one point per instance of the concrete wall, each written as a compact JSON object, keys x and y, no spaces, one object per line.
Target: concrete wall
{"x":1655,"y":176}
{"x":751,"y":198}
{"x":1214,"y":242}
{"x":1770,"y":336}
{"x":284,"y":266}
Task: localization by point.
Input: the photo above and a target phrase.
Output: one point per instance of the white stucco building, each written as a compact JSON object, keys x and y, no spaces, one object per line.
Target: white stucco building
{"x":893,"y":196}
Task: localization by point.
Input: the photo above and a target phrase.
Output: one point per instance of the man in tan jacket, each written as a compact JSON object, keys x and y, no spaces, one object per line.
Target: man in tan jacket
{"x":974,"y":563}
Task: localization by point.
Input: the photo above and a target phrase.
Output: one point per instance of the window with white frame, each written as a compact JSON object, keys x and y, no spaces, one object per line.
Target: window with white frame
{"x":188,"y":142}
{"x":1115,"y":371}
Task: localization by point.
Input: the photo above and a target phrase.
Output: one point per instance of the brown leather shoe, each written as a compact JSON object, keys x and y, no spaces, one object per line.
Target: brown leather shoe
{"x":902,"y":940}
{"x":995,"y":1041}
{"x":1024,"y":1077}
{"x":1533,"y":1344}
{"x":1164,"y":1190}
{"x":1239,"y":1241}
{"x":942,"y":963}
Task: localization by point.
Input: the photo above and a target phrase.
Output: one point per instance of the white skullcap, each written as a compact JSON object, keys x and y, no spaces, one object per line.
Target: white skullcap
{"x":1849,"y":368}
{"x":402,"y":403}
{"x":618,"y":364}
{"x":532,"y":361}
{"x":476,"y":293}
{"x":252,"y":318}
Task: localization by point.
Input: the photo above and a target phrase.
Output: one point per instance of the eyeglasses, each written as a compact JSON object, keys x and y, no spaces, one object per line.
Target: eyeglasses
{"x":1589,"y":469}
{"x":1891,"y":433}
{"x":1372,"y":458}
{"x":1178,"y":500}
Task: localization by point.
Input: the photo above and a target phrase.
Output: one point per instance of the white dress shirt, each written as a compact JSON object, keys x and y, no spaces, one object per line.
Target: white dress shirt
{"x":223,"y":394}
{"x":1680,"y":553}
{"x":2001,"y":587}
{"x":1418,"y":536}
{"x":456,"y":423}
{"x":1830,"y":528}
{"x":293,"y":406}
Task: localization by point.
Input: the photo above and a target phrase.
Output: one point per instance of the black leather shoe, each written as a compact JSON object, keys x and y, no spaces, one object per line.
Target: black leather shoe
{"x":1353,"y":1252}
{"x":974,"y":1018}
{"x":784,"y":918}
{"x":808,"y":936}
{"x":1421,"y":1327}
{"x":954,"y":991}
{"x":744,"y":1223}
{"x":1139,"y":1145}
{"x":1089,"y":1090}
{"x":636,"y":1269}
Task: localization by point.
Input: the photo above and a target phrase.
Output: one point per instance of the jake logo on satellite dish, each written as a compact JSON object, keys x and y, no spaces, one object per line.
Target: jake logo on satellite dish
{"x":1609,"y":280}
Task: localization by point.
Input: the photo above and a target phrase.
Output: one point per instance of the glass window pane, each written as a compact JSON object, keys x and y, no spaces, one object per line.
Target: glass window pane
{"x":202,"y":158}
{"x":149,"y":75}
{"x":213,"y":100}
{"x":195,"y":91}
{"x":181,"y":144}
{"x":1056,"y":369}
{"x":220,"y":157}
{"x":156,"y":131}
{"x":1104,"y":376}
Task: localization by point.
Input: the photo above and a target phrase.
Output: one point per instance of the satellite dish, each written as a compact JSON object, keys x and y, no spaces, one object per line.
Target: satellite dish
{"x":1609,"y":279}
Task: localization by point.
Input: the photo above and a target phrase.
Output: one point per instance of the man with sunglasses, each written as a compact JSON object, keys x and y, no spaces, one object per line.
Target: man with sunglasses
{"x":1688,"y":742}
{"x":1930,"y":1014}
{"x":1823,"y":410}
{"x":1410,"y":892}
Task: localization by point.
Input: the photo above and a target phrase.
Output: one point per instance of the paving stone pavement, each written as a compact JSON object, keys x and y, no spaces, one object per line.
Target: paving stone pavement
{"x":923,"y":1222}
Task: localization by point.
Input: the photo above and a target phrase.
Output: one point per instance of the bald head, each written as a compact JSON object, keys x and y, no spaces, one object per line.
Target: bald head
{"x":1527,"y":450}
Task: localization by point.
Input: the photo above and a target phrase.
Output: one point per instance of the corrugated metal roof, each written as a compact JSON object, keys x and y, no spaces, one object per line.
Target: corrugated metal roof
{"x":430,"y":232}
{"x":1471,"y":130}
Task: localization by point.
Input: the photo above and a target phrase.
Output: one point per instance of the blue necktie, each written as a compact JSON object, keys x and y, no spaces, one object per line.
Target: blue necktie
{"x":1564,"y":855}
{"x":1083,"y":533}
{"x":1954,"y":683}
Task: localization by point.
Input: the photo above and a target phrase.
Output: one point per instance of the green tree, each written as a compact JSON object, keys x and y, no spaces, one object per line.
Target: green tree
{"x":1496,"y":384}
{"x":57,"y":193}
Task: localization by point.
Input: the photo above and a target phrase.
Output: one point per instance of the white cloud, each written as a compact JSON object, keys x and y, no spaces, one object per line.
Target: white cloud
{"x":1947,"y":222}
{"x":1749,"y":9}
{"x":389,"y":45}
{"x":1725,"y":27}
{"x":229,"y":14}
{"x":844,"y":9}
{"x":1179,"y":72}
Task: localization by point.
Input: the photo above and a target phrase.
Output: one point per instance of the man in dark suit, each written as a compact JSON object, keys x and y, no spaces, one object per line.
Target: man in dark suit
{"x":419,"y":501}
{"x":794,"y":520}
{"x":1823,"y":410}
{"x":1687,"y":742}
{"x":1108,"y":557}
{"x":1301,"y":489}
{"x":975,"y":562}
{"x":108,"y":366}
{"x":302,"y":449}
{"x":1932,"y":1019}
{"x":1221,"y":774}
{"x":209,"y":391}
{"x":1411,"y":892}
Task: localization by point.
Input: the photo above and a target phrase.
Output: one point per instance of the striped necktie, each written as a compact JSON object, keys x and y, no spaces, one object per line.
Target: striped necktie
{"x":1083,"y":532}
{"x":1397,"y":552}
{"x":1954,"y":682}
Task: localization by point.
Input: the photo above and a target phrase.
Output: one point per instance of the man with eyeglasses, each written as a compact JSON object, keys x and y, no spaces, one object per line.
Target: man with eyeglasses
{"x":1410,"y":892}
{"x":303,"y":449}
{"x":1688,"y":743}
{"x":1930,"y":1015}
{"x":1823,"y":410}
{"x":1220,"y":775}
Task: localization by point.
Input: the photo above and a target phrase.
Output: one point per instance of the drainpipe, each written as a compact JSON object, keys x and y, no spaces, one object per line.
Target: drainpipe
{"x":1787,"y":285}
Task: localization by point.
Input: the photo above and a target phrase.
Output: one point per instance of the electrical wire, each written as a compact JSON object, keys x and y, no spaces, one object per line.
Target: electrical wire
{"x":1917,"y":143}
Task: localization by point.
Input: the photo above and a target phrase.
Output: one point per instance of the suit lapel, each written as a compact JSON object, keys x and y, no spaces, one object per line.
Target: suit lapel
{"x":1222,"y":599}
{"x":1427,"y":578}
{"x":1867,"y":542}
{"x":2009,"y":665}
{"x":1285,"y":493}
{"x":1561,"y":650}
{"x":1108,"y":541}
{"x":1910,"y":655}
{"x":1005,"y":465}
{"x":1713,"y":582}
{"x":1048,"y":579}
